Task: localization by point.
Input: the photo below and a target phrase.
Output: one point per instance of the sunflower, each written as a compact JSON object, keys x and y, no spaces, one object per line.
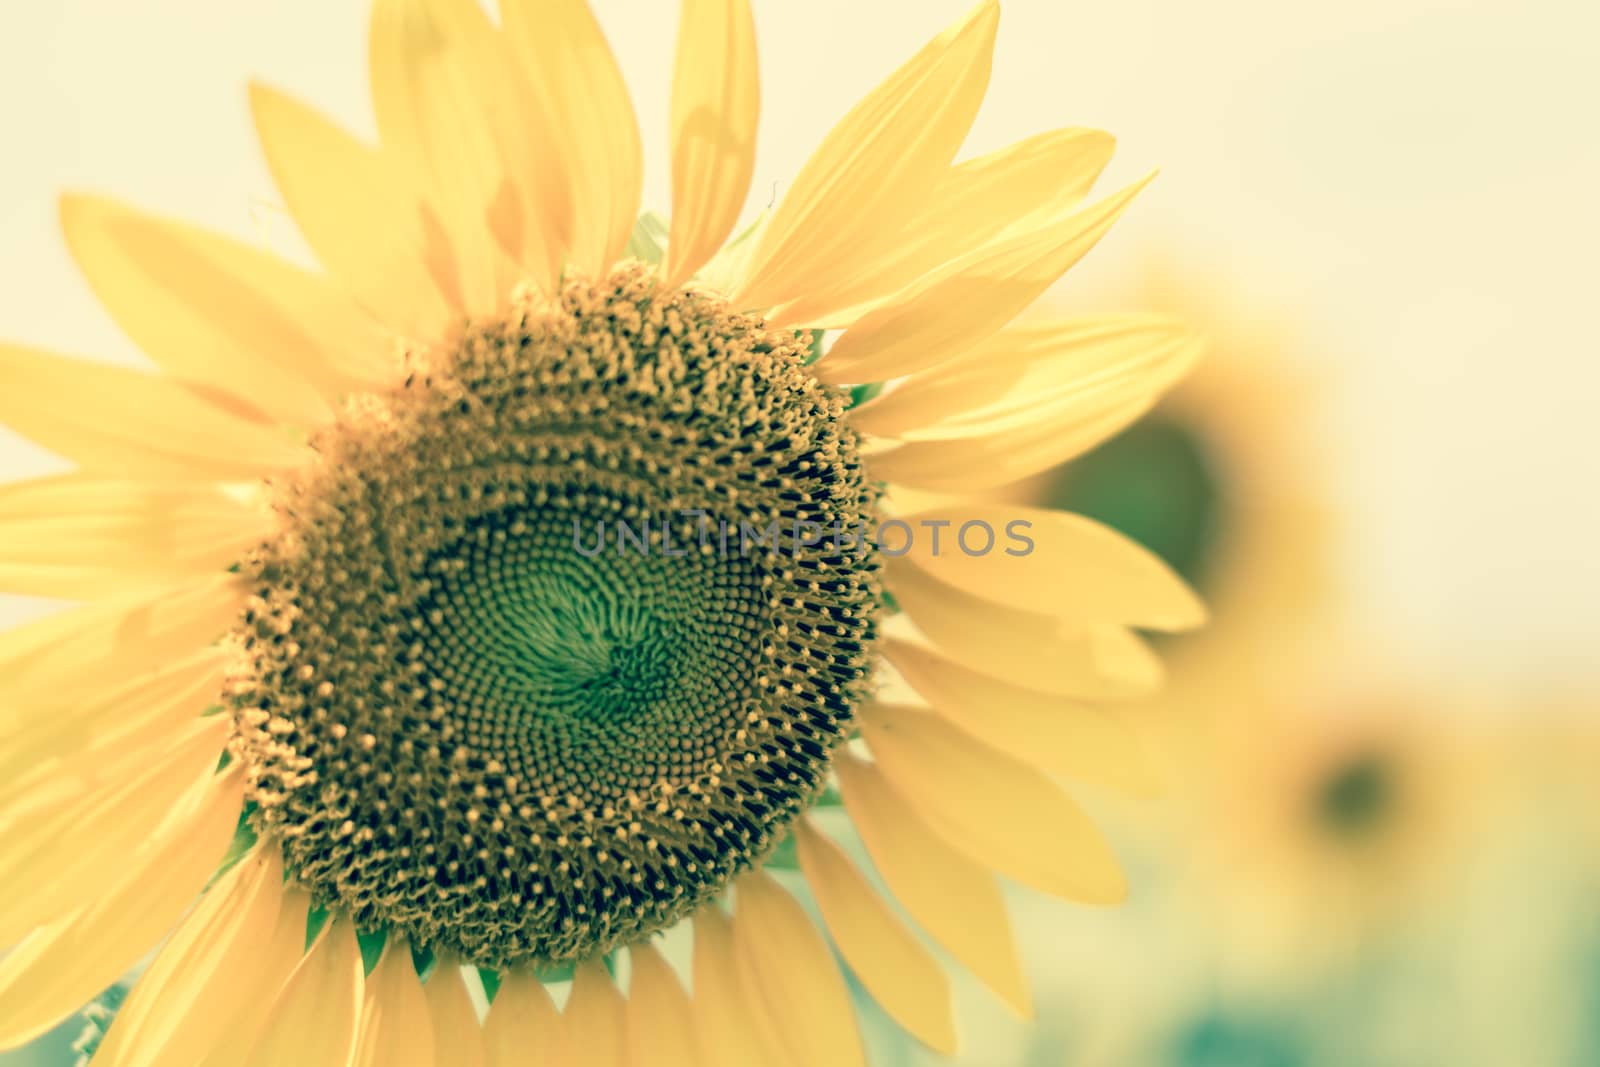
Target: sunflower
{"x":414,"y":668}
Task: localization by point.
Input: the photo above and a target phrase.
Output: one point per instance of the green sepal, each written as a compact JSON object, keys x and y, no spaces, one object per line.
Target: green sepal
{"x":423,"y":959}
{"x":648,"y":241}
{"x":860,"y":394}
{"x":244,"y":839}
{"x":371,"y":942}
{"x":830,"y":798}
{"x":561,"y":972}
{"x":786,"y":857}
{"x":814,"y":346}
{"x":316,"y":919}
{"x":491,"y":982}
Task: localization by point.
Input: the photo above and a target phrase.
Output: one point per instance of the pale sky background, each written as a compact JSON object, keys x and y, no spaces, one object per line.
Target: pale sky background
{"x":1412,"y":182}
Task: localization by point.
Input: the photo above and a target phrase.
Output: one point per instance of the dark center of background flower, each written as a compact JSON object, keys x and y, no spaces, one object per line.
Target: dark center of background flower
{"x":478,"y":710}
{"x":1157,"y":483}
{"x":1356,"y":797}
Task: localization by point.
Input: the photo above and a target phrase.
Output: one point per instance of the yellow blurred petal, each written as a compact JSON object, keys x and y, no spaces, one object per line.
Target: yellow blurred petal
{"x":875,"y":169}
{"x":954,"y":899}
{"x":82,"y":535}
{"x":440,"y":82}
{"x":1090,"y":661}
{"x":1060,"y":372}
{"x":357,"y":212}
{"x":41,"y":740}
{"x":596,"y":1018}
{"x":60,"y":858}
{"x":972,"y":203}
{"x":725,"y":1021}
{"x":117,"y":420}
{"x":894,"y":966}
{"x":457,"y":1037}
{"x":212,"y":310}
{"x":523,"y":1026}
{"x":970,"y":299}
{"x":395,"y":1030}
{"x":316,"y":1016}
{"x":1068,"y":566}
{"x":256,"y":986}
{"x":716,"y":100}
{"x":797,"y":983}
{"x":995,"y":808}
{"x":219,"y":960}
{"x":63,"y":966}
{"x":1042,"y":730}
{"x":660,"y":1026}
{"x":578,"y":95}
{"x":79,"y":653}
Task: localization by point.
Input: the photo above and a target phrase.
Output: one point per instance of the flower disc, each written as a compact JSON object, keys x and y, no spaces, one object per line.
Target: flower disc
{"x":530,"y":672}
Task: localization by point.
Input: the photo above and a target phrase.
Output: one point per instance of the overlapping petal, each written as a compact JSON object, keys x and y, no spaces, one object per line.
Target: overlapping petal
{"x":60,"y":967}
{"x":875,"y":169}
{"x":576,"y":95}
{"x":936,"y":319}
{"x":716,"y":100}
{"x":994,"y":807}
{"x":952,"y":897}
{"x":897,"y":970}
{"x":119,"y":421}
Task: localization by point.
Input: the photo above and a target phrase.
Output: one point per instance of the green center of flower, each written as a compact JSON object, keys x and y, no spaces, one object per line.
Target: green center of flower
{"x":519,"y":681}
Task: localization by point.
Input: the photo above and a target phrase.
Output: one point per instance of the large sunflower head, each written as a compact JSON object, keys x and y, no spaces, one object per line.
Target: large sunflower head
{"x":465,"y":616}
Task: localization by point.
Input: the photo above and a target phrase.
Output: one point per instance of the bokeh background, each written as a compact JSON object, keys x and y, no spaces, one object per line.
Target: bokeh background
{"x":1380,"y":840}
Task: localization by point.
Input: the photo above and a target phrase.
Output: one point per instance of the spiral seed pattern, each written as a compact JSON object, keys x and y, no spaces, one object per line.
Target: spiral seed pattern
{"x":466,"y":719}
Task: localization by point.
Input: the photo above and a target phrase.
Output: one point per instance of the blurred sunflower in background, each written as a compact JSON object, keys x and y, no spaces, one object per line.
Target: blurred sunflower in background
{"x":1309,"y":815}
{"x":350,"y":724}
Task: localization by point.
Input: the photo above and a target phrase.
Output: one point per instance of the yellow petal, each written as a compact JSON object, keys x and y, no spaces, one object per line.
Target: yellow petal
{"x":395,"y":1031}
{"x":995,"y":808}
{"x":523,"y":1027}
{"x":969,"y":300}
{"x":440,"y":82}
{"x":457,"y":1037}
{"x":60,"y":858}
{"x":798,"y":986}
{"x":978,"y":464}
{"x":1055,"y":563}
{"x":117,"y":420}
{"x":579,"y":99}
{"x":82,"y":535}
{"x":356,"y":211}
{"x":83,"y":652}
{"x":1090,"y":661}
{"x":266,"y":983}
{"x":1042,"y":730}
{"x":954,"y":899}
{"x":595,"y":1018}
{"x":37,"y":739}
{"x":874,"y":170}
{"x":1062,"y":372}
{"x":972,"y":203}
{"x":660,"y":1029}
{"x":63,"y":966}
{"x":220,"y":960}
{"x":212,"y":310}
{"x":716,"y":100}
{"x":725,"y":1021}
{"x":316,"y":1016}
{"x":894,"y":966}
